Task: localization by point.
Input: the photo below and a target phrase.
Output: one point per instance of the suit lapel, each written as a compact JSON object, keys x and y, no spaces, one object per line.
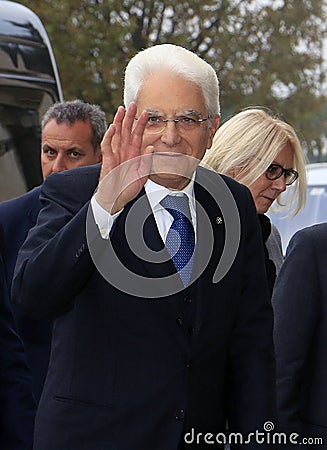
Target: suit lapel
{"x":210,"y":242}
{"x":138,"y":221}
{"x":210,"y":227}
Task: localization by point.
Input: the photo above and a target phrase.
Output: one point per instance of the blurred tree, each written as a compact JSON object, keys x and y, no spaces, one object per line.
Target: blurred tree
{"x":265,"y":52}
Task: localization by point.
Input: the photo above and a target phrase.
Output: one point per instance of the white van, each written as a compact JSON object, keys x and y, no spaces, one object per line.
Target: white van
{"x":29,"y":85}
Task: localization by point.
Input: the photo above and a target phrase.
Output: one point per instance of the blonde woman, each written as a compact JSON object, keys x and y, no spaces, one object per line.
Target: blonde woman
{"x":263,"y":152}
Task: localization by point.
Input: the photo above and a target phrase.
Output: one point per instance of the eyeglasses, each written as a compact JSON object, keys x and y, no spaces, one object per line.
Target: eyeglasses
{"x":157,"y":124}
{"x":275,"y":171}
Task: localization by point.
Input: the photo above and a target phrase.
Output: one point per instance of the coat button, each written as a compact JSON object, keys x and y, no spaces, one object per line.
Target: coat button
{"x":179,"y":321}
{"x":179,"y":414}
{"x":188,"y":299}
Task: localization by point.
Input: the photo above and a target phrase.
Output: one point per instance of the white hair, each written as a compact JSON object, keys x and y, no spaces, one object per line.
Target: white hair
{"x":178,"y":61}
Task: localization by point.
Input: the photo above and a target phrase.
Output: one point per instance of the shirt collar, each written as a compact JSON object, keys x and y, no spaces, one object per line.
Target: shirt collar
{"x":155,"y":193}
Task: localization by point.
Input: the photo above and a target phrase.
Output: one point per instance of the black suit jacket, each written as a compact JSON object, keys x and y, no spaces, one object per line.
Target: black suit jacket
{"x":300,"y":306}
{"x":17,"y":405}
{"x":17,"y":217}
{"x":130,"y":372}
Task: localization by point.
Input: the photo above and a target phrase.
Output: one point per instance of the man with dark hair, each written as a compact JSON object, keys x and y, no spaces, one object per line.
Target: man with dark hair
{"x":71,"y":136}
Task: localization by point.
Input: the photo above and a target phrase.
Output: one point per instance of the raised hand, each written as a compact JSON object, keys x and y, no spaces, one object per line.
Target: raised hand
{"x":125,"y":166}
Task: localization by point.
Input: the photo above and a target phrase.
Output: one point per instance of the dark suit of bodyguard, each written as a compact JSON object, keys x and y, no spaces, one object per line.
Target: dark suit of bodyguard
{"x":17,"y":217}
{"x":300,"y":333}
{"x":131,"y":372}
{"x":17,"y":405}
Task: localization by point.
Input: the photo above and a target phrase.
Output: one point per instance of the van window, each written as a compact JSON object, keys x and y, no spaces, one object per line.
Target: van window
{"x":29,"y":85}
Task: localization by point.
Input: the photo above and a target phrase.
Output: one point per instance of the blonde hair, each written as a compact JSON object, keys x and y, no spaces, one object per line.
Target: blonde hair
{"x":249,"y":142}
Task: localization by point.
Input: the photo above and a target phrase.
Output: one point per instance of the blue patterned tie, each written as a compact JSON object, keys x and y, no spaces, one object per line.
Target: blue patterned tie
{"x":180,"y":238}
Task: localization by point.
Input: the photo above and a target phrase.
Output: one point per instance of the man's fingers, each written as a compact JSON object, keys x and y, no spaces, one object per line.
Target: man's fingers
{"x":107,"y":138}
{"x":127,"y":128}
{"x":108,"y":158}
{"x":123,"y":139}
{"x":141,"y":122}
{"x":130,"y":115}
{"x":119,"y":116}
{"x":138,"y":132}
{"x":118,"y":122}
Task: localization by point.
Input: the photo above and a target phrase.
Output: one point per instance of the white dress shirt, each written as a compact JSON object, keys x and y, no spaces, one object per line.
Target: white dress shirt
{"x":155,"y":194}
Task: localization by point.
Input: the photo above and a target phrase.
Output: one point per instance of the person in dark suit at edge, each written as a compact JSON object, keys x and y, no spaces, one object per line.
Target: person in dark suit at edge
{"x":300,"y":335}
{"x":155,"y":344}
{"x":17,"y":405}
{"x":71,"y":135}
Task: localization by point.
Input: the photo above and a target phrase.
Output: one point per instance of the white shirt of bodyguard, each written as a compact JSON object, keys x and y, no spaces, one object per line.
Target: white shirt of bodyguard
{"x":155,"y":193}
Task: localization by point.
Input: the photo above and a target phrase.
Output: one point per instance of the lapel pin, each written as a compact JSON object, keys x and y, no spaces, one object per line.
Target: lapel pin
{"x":219,"y":220}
